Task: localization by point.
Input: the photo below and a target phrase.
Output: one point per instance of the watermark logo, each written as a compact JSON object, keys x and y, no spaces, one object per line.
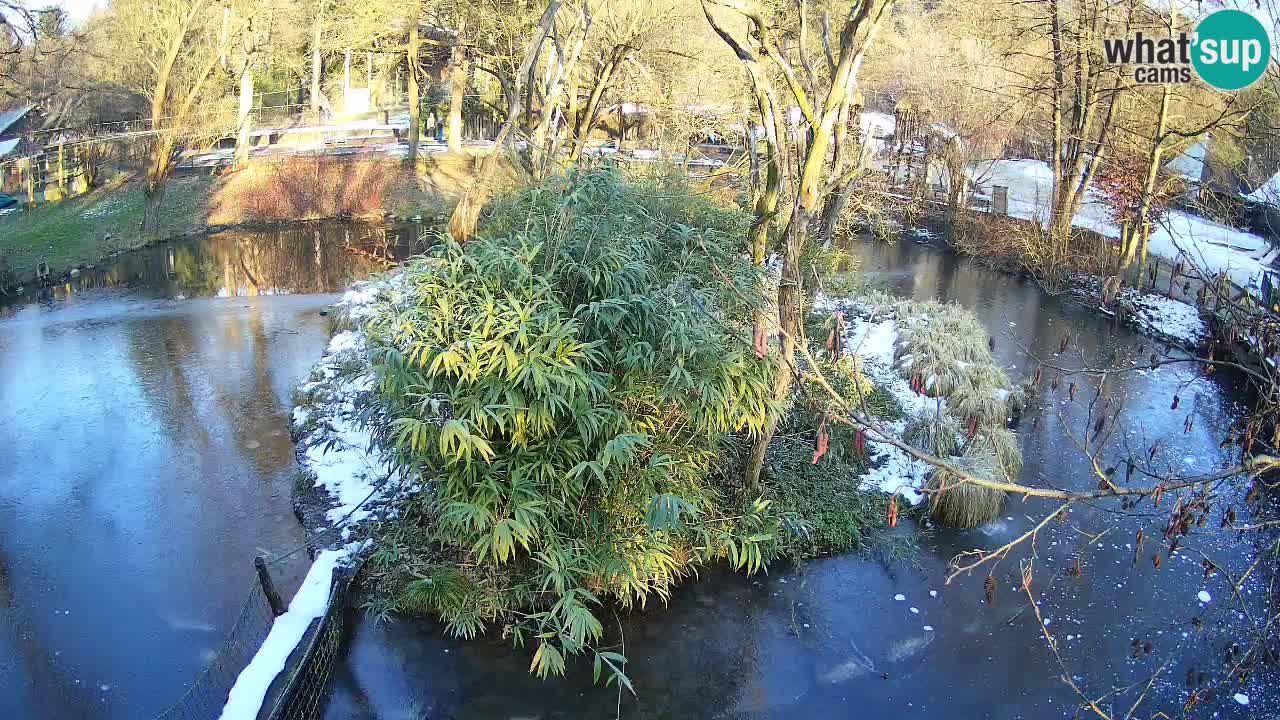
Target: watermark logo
{"x":1229,"y":50}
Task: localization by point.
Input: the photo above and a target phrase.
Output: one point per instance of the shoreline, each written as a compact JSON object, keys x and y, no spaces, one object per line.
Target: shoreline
{"x":26,"y":284}
{"x":1142,"y":311}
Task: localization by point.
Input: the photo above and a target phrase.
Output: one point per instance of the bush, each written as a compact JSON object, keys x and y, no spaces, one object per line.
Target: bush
{"x":566,"y":383}
{"x":307,"y":188}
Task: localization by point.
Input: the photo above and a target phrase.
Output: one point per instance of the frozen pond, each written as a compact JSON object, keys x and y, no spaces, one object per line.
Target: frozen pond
{"x":145,"y":458}
{"x":830,"y":639}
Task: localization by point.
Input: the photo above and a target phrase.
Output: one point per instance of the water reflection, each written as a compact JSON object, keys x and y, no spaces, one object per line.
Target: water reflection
{"x":145,"y":458}
{"x":238,"y":263}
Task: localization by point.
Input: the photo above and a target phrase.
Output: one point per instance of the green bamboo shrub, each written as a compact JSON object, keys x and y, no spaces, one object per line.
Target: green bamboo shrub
{"x":566,"y":384}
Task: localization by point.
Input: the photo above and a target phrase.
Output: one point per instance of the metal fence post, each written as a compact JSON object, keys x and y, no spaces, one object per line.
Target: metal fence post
{"x":31,"y":182}
{"x":268,"y":587}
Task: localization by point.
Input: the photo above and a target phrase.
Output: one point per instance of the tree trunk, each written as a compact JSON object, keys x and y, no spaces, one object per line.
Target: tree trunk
{"x":789,"y":292}
{"x":415,"y":103}
{"x":316,"y":65}
{"x":561,"y":65}
{"x":246,"y":121}
{"x":153,"y":188}
{"x":459,"y":75}
{"x":1154,"y":156}
{"x":346,"y":80}
{"x":583,"y":124}
{"x":814,"y":166}
{"x":462,"y":224}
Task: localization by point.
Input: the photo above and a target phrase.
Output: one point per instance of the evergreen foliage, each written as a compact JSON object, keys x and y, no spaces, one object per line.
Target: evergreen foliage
{"x":566,"y":383}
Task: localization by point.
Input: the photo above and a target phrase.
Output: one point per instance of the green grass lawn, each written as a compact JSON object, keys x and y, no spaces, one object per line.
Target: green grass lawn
{"x":86,"y":229}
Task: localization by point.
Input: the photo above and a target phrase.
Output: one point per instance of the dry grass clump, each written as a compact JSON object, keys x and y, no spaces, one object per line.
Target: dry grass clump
{"x":991,"y":453}
{"x":944,"y":349}
{"x":941,"y":436}
{"x":961,"y":504}
{"x":1002,"y":444}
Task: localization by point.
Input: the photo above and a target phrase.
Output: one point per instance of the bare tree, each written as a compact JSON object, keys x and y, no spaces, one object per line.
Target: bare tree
{"x":18,"y":31}
{"x":183,"y":46}
{"x":824,"y":103}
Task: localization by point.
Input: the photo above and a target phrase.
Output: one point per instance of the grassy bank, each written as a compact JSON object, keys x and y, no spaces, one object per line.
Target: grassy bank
{"x":85,"y":229}
{"x":89,"y":228}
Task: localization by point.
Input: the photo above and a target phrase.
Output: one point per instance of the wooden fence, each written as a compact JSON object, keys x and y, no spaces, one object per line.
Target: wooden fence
{"x":51,"y":175}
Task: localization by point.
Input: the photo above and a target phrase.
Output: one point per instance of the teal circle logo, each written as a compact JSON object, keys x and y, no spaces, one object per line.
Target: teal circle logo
{"x":1232,"y":49}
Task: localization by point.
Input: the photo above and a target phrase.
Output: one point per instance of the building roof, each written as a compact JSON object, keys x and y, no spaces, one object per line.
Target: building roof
{"x":12,"y":115}
{"x":1189,"y":164}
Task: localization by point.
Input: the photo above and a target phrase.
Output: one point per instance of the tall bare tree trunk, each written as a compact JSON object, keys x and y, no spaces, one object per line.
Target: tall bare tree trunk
{"x":1141,"y":224}
{"x":415,"y":103}
{"x":583,"y":124}
{"x":561,"y":65}
{"x":246,"y":120}
{"x":459,"y":75}
{"x":584,"y":121}
{"x":316,"y":64}
{"x":153,"y":189}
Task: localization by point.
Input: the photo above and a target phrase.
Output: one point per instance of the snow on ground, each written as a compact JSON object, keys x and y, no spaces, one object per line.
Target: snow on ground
{"x":1268,"y":192}
{"x":312,"y":599}
{"x":873,"y":342}
{"x":894,"y":471}
{"x":877,"y":134}
{"x":1162,"y":317}
{"x":341,"y":452}
{"x":1210,"y":246}
{"x":349,"y":465}
{"x":1165,"y":317}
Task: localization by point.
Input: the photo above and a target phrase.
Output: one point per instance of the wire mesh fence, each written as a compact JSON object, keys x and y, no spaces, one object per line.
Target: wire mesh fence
{"x":303,"y":693}
{"x":208,"y":693}
{"x":300,"y":690}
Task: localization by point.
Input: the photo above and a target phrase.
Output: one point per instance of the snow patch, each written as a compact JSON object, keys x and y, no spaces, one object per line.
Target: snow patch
{"x":1210,"y":246}
{"x":1162,"y":317}
{"x":250,"y":689}
{"x":340,"y":451}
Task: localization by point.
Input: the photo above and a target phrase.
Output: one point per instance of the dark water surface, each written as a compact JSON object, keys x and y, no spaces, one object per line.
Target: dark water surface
{"x":829,"y":639}
{"x":145,"y":458}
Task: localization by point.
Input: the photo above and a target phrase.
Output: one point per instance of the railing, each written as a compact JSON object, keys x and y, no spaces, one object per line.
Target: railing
{"x":52,"y":174}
